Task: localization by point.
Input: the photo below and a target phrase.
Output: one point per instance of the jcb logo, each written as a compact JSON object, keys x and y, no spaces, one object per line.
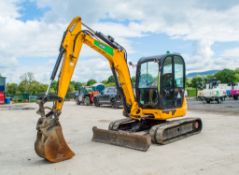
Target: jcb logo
{"x":102,"y":46}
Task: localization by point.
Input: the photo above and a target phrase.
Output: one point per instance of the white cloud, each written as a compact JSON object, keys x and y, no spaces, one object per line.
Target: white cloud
{"x":205,"y":22}
{"x":92,"y":68}
{"x":8,"y":9}
{"x":184,"y":19}
{"x":233,"y":52}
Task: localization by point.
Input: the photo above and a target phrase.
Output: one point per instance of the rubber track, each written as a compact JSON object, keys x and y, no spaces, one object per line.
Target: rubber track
{"x":175,"y":130}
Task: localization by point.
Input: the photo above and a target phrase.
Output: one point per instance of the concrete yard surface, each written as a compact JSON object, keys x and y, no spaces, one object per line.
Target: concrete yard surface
{"x":214,"y":151}
{"x":229,"y":106}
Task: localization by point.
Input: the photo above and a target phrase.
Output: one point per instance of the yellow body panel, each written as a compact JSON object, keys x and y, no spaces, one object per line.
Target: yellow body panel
{"x":164,"y":115}
{"x":72,"y":43}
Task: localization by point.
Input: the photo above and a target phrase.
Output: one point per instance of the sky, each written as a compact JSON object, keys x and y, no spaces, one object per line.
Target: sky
{"x":205,"y":33}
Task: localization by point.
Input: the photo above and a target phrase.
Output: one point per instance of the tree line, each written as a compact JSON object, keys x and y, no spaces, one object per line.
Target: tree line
{"x":227,"y":76}
{"x":29,"y":85}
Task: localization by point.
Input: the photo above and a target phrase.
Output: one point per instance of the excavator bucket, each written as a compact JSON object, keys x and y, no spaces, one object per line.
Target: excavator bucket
{"x":51,"y":145}
{"x":122,"y":138}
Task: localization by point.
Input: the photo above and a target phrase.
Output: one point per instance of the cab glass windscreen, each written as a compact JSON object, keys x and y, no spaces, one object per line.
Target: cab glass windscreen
{"x":149,"y":75}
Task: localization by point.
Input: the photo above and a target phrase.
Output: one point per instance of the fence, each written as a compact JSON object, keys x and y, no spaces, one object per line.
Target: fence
{"x":25,"y":98}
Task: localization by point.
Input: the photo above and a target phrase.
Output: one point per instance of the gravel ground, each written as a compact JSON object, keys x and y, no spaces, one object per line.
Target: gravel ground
{"x":214,"y":151}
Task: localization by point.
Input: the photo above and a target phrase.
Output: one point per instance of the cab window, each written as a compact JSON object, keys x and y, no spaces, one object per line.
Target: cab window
{"x":149,"y":83}
{"x":149,"y":75}
{"x":179,"y":71}
{"x":167,"y":73}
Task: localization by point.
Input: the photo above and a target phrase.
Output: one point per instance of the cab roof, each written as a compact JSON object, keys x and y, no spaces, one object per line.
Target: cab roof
{"x":157,"y":57}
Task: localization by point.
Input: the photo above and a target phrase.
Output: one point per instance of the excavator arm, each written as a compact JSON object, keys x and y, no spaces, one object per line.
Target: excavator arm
{"x":50,"y":142}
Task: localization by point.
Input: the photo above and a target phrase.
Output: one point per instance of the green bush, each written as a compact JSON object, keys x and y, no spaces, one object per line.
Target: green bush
{"x":192,"y":92}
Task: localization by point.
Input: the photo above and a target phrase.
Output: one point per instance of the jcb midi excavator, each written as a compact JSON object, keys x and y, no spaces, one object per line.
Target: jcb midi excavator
{"x":150,"y":112}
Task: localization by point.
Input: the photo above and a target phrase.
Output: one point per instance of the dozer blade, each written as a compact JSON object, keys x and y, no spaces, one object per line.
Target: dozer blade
{"x":51,"y":145}
{"x":122,"y":138}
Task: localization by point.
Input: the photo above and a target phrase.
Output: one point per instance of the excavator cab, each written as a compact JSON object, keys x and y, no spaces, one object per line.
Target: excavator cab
{"x":160,"y":81}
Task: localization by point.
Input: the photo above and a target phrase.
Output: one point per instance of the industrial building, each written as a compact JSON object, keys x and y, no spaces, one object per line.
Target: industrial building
{"x":2,"y":89}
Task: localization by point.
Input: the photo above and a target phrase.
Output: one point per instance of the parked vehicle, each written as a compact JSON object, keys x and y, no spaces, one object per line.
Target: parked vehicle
{"x":86,"y":94}
{"x":226,"y":89}
{"x":109,"y":96}
{"x":212,"y":92}
{"x":235,"y":92}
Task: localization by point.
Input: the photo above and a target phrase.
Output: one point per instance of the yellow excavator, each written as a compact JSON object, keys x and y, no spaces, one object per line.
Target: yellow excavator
{"x":151,"y":112}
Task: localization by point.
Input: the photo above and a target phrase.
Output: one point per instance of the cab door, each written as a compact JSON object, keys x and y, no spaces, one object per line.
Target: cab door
{"x":179,"y":80}
{"x":172,"y":82}
{"x":148,"y":83}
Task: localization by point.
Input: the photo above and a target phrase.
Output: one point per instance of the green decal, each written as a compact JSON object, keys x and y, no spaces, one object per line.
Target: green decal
{"x":104,"y":47}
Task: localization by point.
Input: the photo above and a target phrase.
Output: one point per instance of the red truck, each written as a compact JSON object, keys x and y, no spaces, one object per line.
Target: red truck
{"x":86,"y":94}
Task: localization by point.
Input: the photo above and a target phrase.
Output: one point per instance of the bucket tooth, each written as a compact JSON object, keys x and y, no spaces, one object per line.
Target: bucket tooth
{"x":122,"y":138}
